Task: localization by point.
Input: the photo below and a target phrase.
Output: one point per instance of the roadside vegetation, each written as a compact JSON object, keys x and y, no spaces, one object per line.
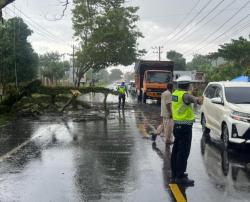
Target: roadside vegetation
{"x":106,"y":34}
{"x":231,"y":60}
{"x":5,"y":119}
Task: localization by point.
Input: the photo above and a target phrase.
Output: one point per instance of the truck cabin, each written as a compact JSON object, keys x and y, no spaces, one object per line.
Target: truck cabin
{"x":157,"y":76}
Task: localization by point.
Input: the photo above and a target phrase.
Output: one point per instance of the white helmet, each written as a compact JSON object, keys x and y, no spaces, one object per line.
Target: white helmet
{"x":184,"y":80}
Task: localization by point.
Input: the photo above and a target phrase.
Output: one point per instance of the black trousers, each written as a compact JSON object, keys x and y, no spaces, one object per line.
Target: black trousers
{"x":121,"y":98}
{"x":181,"y":149}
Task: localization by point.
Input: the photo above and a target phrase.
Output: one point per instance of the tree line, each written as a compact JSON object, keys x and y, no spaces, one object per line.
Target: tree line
{"x":229,"y":61}
{"x":18,"y":61}
{"x":106,"y":33}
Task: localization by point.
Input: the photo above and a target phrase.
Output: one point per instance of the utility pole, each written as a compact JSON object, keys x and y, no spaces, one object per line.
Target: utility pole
{"x":73,"y":64}
{"x":14,"y":41}
{"x":158,"y":51}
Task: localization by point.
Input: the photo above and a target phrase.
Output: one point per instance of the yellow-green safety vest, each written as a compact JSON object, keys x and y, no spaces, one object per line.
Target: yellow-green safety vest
{"x":122,"y":90}
{"x":182,"y":113}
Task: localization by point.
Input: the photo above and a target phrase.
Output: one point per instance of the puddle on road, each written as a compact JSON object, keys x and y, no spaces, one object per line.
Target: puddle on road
{"x":220,"y":175}
{"x":15,"y":134}
{"x":227,"y":169}
{"x":83,"y":161}
{"x":108,"y":160}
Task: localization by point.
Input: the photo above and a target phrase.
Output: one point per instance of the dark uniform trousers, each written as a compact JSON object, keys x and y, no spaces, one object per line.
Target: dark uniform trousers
{"x":181,"y":149}
{"x":122,"y":98}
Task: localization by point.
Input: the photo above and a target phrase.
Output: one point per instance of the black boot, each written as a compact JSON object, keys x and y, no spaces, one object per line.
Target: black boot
{"x":153,"y":137}
{"x":184,"y":181}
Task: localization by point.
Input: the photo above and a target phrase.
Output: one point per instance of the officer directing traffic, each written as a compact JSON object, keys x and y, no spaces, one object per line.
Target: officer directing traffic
{"x":183,"y":117}
{"x":122,"y":91}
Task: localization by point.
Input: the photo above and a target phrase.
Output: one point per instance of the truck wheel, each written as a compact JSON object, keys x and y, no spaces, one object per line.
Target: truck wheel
{"x":144,"y":98}
{"x":139,"y":96}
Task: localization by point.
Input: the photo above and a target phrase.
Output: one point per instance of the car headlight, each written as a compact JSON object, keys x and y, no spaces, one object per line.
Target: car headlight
{"x":240,"y":116}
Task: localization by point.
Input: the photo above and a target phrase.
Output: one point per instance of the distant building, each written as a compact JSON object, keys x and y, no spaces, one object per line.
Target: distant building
{"x":197,"y":76}
{"x":198,"y":80}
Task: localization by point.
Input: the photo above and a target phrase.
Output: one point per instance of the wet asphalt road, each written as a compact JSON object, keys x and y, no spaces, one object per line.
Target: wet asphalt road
{"x":58,"y":159}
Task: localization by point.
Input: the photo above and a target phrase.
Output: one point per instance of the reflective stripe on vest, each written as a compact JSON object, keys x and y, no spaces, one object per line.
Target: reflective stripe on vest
{"x":122,"y":90}
{"x":182,"y":113}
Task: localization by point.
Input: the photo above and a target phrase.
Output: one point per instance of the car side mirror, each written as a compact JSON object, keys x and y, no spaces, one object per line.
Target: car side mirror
{"x":217,"y":100}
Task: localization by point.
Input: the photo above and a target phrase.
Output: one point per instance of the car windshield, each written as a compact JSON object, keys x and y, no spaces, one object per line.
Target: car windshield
{"x":238,"y":95}
{"x":159,"y":77}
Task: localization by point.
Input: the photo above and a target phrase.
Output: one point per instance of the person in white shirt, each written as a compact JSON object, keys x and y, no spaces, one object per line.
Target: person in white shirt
{"x":166,"y":114}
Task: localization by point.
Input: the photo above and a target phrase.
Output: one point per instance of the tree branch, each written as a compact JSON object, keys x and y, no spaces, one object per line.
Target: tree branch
{"x":4,"y":3}
{"x":65,"y":4}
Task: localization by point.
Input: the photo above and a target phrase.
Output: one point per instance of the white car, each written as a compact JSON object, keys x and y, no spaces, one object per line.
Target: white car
{"x":226,"y":111}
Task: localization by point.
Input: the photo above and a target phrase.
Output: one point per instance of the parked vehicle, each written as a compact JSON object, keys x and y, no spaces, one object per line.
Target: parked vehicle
{"x":131,"y":87}
{"x":116,"y":84}
{"x":151,"y":78}
{"x":226,"y":111}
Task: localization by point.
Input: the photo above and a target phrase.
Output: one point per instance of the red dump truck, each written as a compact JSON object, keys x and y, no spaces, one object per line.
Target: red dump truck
{"x":151,"y":78}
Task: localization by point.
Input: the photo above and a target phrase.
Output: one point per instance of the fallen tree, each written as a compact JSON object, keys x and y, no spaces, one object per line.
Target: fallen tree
{"x":36,"y":87}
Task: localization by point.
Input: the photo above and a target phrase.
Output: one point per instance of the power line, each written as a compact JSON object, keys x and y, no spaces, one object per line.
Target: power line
{"x":237,"y":23}
{"x":40,"y":29}
{"x":230,"y":28}
{"x":192,"y":20}
{"x":201,"y":20}
{"x":185,"y":14}
{"x":37,"y":23}
{"x":177,"y":27}
{"x":237,"y":31}
{"x":219,"y":13}
{"x":220,"y":27}
{"x":246,"y":25}
{"x":225,"y":38}
{"x":38,"y":32}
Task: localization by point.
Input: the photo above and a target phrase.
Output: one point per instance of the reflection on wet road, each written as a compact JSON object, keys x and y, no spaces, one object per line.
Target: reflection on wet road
{"x":228,"y":170}
{"x":112,"y":160}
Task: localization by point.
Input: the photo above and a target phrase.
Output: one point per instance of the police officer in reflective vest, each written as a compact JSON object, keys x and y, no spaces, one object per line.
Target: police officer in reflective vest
{"x":183,"y":117}
{"x":122,"y":91}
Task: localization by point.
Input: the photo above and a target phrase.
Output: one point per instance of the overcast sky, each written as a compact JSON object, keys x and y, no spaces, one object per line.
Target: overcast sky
{"x":187,"y":26}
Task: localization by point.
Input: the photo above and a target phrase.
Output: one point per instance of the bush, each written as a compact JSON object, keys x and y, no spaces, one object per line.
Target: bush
{"x":225,"y":72}
{"x":4,"y":109}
